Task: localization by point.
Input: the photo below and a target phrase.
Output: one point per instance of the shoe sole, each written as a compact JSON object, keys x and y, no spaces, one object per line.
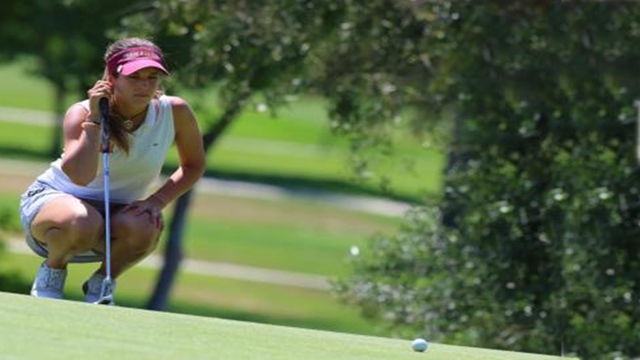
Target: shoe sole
{"x":107,"y":300}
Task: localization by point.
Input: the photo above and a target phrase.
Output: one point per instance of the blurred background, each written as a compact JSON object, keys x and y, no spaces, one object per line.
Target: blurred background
{"x":462,"y":171}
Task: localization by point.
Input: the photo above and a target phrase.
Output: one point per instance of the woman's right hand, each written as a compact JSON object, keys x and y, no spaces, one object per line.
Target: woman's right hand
{"x":101,"y":89}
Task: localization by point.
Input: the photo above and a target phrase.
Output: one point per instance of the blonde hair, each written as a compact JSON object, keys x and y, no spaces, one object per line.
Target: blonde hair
{"x":119,"y":134}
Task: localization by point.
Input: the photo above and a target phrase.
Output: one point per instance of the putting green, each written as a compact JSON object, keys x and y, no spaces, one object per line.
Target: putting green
{"x":40,"y":328}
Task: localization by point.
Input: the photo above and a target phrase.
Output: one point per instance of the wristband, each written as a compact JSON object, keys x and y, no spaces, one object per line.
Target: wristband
{"x":90,"y":124}
{"x":90,"y":120}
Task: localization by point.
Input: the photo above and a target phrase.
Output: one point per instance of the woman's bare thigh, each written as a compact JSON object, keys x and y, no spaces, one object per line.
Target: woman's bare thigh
{"x":62,"y":211}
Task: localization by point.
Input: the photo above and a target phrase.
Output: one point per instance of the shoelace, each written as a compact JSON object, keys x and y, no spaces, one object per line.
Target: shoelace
{"x":54,"y":279}
{"x":93,"y":286}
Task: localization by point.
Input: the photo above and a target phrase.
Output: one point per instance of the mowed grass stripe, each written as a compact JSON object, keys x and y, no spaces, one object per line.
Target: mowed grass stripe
{"x":39,"y":328}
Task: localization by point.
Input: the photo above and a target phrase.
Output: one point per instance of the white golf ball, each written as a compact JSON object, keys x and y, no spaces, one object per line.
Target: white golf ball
{"x":419,"y":345}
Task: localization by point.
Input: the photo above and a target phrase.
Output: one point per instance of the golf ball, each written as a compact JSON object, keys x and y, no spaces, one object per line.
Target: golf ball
{"x":419,"y":345}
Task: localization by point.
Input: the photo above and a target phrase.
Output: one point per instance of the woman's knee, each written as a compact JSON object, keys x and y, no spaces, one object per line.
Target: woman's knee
{"x":136,"y":245}
{"x":69,"y":224}
{"x":135,"y":232}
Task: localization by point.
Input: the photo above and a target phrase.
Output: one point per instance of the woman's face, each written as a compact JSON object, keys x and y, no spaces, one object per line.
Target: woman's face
{"x":137,"y":88}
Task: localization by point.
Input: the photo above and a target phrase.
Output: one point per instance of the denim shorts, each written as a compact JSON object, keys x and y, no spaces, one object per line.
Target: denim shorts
{"x":31,"y":201}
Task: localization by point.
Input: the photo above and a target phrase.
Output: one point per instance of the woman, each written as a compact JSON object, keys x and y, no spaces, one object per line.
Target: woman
{"x":62,"y":211}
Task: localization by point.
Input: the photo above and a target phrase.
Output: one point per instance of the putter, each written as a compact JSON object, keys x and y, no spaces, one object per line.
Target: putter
{"x":106,"y":291}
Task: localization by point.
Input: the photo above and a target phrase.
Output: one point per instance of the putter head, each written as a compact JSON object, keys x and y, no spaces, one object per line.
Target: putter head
{"x":106,"y":293}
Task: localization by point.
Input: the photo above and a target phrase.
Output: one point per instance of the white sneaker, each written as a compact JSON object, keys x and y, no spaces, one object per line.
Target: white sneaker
{"x":93,"y":290}
{"x":49,"y":283}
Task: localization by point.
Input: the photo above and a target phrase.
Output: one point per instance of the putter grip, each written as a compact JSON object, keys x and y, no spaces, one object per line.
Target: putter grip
{"x":104,"y":113}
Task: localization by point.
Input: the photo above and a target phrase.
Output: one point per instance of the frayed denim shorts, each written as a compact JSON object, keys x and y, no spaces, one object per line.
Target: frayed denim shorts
{"x":31,"y":201}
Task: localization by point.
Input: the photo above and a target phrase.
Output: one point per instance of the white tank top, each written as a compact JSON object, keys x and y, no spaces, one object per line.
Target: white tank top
{"x":129,"y":175}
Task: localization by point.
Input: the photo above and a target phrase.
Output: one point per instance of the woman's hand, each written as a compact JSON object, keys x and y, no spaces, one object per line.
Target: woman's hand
{"x":101,"y":89}
{"x":151,"y":208}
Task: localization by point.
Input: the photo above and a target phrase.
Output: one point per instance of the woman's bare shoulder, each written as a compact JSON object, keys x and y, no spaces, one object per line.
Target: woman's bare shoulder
{"x":176,"y":101}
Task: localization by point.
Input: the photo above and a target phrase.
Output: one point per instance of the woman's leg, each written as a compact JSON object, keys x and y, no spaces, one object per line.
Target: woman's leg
{"x":68,"y":226}
{"x":133,"y":238}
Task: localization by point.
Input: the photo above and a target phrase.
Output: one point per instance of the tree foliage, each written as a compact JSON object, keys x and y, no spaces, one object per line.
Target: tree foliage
{"x":372,"y":72}
{"x":541,"y":251}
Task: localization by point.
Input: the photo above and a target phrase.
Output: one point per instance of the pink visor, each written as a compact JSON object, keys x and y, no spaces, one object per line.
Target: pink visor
{"x":130,"y":60}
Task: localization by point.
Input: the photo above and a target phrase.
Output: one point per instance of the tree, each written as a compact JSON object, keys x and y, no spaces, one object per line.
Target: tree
{"x":543,"y":195}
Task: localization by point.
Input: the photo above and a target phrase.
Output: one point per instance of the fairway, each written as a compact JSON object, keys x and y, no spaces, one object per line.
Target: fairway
{"x":38,"y":328}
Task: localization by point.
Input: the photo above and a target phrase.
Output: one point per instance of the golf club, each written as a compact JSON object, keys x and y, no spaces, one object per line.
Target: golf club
{"x":106,"y":291}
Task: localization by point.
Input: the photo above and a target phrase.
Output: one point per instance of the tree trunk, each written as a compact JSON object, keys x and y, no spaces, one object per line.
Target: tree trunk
{"x":59,"y":110}
{"x":173,"y":252}
{"x":455,"y":156}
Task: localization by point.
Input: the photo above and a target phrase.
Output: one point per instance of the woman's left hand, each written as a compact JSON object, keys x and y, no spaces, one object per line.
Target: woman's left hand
{"x":149,"y":207}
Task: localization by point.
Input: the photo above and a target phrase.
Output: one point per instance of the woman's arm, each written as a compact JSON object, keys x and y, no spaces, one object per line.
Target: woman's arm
{"x":81,"y":145}
{"x":82,"y":136}
{"x":188,"y":142}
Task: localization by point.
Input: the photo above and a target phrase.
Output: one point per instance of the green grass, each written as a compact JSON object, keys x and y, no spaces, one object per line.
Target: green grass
{"x":23,"y":90}
{"x":23,"y":140}
{"x":292,"y":235}
{"x":38,"y":328}
{"x":215,"y":296}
